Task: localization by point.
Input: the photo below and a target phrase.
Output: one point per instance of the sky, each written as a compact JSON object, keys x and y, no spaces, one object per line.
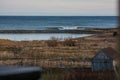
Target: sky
{"x":59,"y":7}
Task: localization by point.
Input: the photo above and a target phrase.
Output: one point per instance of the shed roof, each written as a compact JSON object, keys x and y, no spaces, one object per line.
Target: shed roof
{"x":111,"y":52}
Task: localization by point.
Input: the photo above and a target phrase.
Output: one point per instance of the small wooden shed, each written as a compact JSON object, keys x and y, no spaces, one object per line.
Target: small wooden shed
{"x":104,"y":60}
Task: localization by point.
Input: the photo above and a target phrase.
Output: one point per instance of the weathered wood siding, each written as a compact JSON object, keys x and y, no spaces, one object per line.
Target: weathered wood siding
{"x":102,"y":62}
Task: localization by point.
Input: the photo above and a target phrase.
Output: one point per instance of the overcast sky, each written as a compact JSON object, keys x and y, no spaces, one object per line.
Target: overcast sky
{"x":59,"y":7}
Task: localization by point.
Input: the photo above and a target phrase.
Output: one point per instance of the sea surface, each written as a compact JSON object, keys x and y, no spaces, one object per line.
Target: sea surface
{"x":61,"y":22}
{"x":43,"y":36}
{"x":52,"y":22}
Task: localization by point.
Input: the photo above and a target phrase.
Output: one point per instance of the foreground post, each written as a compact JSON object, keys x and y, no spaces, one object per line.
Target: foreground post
{"x":19,"y":73}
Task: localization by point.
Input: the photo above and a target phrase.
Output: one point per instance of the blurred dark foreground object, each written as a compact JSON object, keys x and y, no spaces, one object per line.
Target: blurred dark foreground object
{"x":114,"y":34}
{"x":19,"y":73}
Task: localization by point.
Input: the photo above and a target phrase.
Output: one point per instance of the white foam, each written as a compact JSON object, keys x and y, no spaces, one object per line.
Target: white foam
{"x":69,"y":28}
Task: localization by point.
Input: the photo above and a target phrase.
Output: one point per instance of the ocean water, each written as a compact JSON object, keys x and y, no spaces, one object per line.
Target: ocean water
{"x":60,"y":22}
{"x":52,"y":22}
{"x":41,"y":36}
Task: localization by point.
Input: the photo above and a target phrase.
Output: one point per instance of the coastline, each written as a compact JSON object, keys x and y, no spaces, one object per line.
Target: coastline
{"x":49,"y":31}
{"x":31,"y":35}
{"x":85,"y":31}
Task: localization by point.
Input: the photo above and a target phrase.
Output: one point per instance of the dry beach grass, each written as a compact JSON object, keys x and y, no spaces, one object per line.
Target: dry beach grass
{"x":55,"y":53}
{"x":60,"y":60}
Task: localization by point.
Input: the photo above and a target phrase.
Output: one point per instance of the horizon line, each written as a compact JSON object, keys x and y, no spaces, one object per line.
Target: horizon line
{"x":59,"y":15}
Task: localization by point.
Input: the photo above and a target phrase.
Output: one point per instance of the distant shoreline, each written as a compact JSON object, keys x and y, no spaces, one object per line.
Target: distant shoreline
{"x":85,"y":31}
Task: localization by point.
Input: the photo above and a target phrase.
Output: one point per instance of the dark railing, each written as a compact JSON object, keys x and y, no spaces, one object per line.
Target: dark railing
{"x":19,"y":73}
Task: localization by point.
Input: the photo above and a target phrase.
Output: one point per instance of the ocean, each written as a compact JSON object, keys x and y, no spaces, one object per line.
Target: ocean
{"x":60,"y":22}
{"x":41,"y":36}
{"x":52,"y":22}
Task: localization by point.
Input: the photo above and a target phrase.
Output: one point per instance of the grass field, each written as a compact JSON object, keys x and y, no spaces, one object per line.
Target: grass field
{"x":70,"y":53}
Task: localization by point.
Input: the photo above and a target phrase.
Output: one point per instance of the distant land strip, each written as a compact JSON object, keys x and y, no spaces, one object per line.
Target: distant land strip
{"x":86,"y":31}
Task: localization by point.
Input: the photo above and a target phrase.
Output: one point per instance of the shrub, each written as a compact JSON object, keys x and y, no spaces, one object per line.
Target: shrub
{"x":53,"y":42}
{"x":69,"y":42}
